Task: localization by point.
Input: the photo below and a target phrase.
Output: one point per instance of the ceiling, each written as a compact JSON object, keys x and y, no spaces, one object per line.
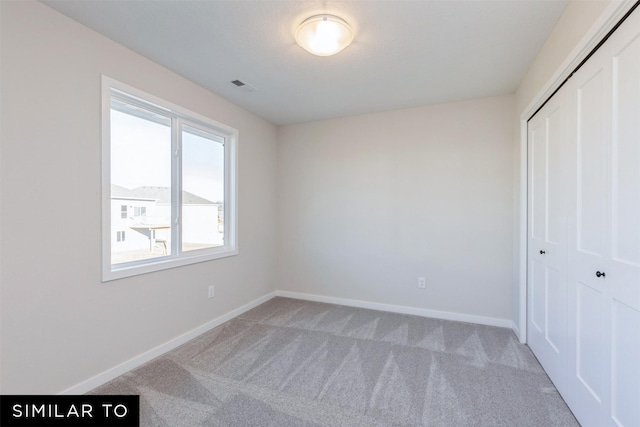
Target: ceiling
{"x":405,"y":53}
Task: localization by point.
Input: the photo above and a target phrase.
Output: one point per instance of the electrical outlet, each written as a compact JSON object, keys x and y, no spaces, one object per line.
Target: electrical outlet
{"x":212,"y":291}
{"x":422,"y":283}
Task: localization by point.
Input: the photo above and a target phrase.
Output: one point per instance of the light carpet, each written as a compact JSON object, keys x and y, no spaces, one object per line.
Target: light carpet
{"x":297,"y":363}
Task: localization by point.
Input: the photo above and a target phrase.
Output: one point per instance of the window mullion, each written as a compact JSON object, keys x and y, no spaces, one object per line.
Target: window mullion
{"x":227,"y":193}
{"x":176,"y":185}
{"x":164,"y":180}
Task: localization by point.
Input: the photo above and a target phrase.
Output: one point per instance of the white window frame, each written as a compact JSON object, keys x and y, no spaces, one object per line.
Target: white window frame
{"x":139,"y":211}
{"x":179,"y":116}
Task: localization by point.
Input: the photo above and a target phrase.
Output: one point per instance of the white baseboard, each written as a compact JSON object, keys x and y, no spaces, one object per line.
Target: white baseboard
{"x":145,"y":357}
{"x":516,"y":330}
{"x":445,"y":315}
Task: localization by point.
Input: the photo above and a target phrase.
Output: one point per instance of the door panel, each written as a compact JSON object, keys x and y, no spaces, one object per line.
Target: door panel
{"x":539,"y":182}
{"x":589,"y":339}
{"x":623,"y":268}
{"x":548,"y":239}
{"x":625,"y":389}
{"x":626,"y":154}
{"x":557,"y":197}
{"x":538,"y":284}
{"x":556,"y":321}
{"x":589,"y":99}
{"x":592,"y":168}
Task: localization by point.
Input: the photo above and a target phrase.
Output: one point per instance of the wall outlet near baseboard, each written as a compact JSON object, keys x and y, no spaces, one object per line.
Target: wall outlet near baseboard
{"x":422,"y":283}
{"x":212,"y":291}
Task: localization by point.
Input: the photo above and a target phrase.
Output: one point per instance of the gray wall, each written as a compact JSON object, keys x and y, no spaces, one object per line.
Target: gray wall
{"x":60,"y":324}
{"x":368,"y":204}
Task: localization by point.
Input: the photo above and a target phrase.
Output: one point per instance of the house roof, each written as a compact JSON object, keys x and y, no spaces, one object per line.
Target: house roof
{"x":157,"y":194}
{"x":119,"y":192}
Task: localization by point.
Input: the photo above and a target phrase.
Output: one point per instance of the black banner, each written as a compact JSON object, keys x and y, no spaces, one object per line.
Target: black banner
{"x":70,"y":411}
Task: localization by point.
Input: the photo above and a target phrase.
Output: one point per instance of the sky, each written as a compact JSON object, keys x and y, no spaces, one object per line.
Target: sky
{"x":141,"y":156}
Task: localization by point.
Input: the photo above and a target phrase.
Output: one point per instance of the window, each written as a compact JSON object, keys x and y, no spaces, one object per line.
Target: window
{"x":139,"y":211}
{"x":175,"y":170}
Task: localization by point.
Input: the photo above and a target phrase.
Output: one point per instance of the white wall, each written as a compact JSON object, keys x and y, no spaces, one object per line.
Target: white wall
{"x":575,"y":22}
{"x":368,"y":204}
{"x":60,"y":324}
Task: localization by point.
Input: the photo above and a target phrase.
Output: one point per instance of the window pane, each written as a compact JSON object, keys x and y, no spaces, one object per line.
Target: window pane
{"x":140,"y":182}
{"x":202,"y":189}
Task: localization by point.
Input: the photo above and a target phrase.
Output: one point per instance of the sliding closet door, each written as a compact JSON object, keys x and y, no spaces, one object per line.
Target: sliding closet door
{"x":590,"y":98}
{"x":547,"y":259}
{"x":604,"y":234}
{"x":623,"y":266}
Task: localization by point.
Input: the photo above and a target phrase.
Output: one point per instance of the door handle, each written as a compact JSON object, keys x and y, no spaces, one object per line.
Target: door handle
{"x":543,"y":252}
{"x":600,"y":274}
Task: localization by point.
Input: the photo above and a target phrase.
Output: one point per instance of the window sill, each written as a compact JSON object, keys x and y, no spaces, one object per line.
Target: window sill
{"x":121,"y":271}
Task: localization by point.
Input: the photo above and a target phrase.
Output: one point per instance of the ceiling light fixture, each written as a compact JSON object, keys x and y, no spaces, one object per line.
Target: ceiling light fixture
{"x":324,"y":35}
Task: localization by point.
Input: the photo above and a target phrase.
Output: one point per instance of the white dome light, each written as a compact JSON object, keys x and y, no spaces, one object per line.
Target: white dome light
{"x":324,"y":35}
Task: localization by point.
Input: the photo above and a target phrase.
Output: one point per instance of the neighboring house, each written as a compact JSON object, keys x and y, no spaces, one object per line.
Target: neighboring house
{"x":141,"y":219}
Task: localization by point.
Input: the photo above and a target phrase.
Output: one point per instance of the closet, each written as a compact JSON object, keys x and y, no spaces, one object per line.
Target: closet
{"x":583,"y":269}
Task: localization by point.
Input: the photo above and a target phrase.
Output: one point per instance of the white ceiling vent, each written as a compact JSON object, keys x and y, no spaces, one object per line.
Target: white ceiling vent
{"x":244,"y":86}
